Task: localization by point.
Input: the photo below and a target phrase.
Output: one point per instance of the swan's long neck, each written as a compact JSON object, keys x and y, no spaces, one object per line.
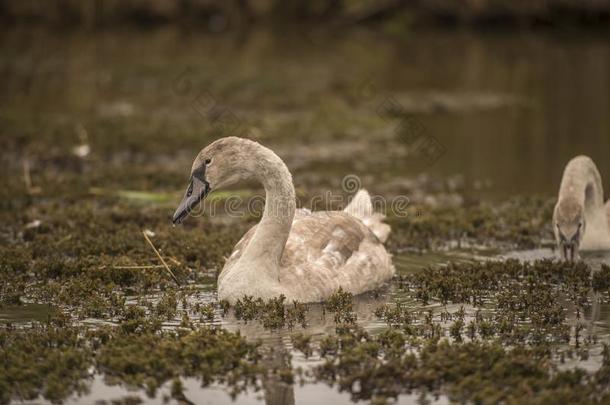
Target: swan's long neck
{"x":582,"y":181}
{"x":264,"y":252}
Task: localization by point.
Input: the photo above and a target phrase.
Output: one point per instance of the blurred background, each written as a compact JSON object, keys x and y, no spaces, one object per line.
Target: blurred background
{"x":493,"y":95}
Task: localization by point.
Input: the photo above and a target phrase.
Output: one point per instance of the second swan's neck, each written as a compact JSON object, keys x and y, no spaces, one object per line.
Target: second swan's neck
{"x":266,"y":247}
{"x":582,"y":181}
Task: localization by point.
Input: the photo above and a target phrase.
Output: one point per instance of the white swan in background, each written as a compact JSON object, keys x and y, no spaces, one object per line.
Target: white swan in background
{"x":303,"y":255}
{"x":580,"y":219}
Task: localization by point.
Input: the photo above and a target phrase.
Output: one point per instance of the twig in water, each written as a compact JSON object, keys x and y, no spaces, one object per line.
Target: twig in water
{"x":171,"y":273}
{"x":152,"y":266}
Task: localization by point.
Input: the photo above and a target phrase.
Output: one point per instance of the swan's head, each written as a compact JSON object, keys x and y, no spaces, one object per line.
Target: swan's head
{"x":569,"y":224}
{"x":218,"y":165}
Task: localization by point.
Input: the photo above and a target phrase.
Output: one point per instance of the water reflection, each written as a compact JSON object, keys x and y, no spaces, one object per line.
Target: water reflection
{"x":494,"y":103}
{"x":277,"y":392}
{"x":25,"y":313}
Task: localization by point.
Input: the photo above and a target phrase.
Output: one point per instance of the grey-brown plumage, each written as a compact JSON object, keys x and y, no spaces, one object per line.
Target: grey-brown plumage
{"x":324,"y":251}
{"x":581,"y":221}
{"x":303,"y":255}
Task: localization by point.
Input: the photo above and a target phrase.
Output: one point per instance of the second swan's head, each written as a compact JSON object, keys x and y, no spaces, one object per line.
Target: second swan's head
{"x":218,"y":165}
{"x":569,"y":226}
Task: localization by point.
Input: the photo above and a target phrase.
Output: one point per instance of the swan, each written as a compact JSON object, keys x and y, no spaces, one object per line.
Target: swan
{"x":580,"y":219}
{"x":304,"y":255}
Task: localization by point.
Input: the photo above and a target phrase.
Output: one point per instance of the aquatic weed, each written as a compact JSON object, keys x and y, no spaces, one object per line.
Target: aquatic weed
{"x":151,"y":358}
{"x":273,"y":313}
{"x":50,"y":360}
{"x":475,"y":371}
{"x":601,"y":279}
{"x":522,"y":222}
{"x":341,"y":304}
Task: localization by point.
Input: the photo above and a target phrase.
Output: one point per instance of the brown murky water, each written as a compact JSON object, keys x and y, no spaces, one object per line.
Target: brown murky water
{"x":503,"y":114}
{"x":508,"y":111}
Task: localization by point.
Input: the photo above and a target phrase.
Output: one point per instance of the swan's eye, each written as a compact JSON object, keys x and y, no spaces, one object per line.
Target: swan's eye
{"x":579,"y":225}
{"x":208,"y":161}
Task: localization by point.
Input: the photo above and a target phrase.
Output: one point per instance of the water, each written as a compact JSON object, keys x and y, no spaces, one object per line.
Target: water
{"x":507,"y":112}
{"x":25,"y":313}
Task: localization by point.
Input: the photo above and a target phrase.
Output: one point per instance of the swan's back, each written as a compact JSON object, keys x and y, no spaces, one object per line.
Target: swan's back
{"x":329,"y":249}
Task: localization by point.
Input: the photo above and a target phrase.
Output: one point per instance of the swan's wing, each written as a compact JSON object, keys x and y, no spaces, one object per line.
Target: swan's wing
{"x":327,"y":237}
{"x":333,"y":249}
{"x":324,"y":251}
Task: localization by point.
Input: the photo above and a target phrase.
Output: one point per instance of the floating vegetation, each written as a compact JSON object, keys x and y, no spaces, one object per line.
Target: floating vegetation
{"x":133,"y":195}
{"x":503,"y":344}
{"x":521,"y":222}
{"x":529,"y":300}
{"x":88,"y":256}
{"x":163,"y":198}
{"x":273,"y":313}
{"x":54,"y":359}
{"x":387,"y":365}
{"x":601,"y":279}
{"x":340,"y":303}
{"x":150,"y":358}
{"x":167,"y":307}
{"x":503,"y":304}
{"x":50,"y":359}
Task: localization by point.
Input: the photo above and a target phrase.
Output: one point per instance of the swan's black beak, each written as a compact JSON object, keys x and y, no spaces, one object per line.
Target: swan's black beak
{"x":196,"y":191}
{"x":569,"y":246}
{"x":569,"y":251}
